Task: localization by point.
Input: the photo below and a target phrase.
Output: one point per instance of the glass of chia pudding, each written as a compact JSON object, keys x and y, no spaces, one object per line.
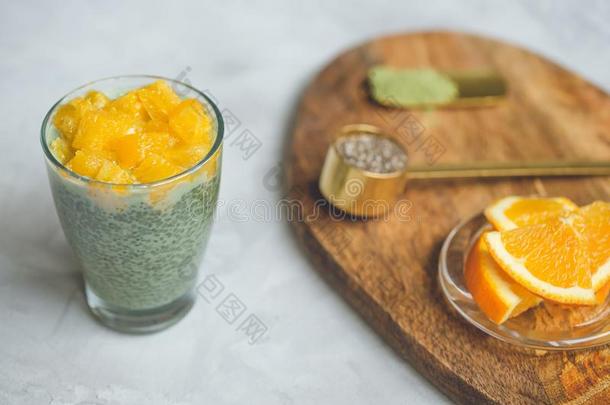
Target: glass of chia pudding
{"x":134,"y":165}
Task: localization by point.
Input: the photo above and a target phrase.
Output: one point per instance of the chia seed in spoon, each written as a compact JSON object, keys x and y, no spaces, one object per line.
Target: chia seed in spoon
{"x":372,"y":153}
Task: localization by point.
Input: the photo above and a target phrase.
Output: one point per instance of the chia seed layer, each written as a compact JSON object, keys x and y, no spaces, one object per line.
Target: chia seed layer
{"x":136,"y":254}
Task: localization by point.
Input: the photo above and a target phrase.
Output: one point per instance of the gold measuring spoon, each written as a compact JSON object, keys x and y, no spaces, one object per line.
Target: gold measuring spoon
{"x":366,"y":193}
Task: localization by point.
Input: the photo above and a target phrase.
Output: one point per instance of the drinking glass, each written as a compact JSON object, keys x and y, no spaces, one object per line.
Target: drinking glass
{"x":139,"y":245}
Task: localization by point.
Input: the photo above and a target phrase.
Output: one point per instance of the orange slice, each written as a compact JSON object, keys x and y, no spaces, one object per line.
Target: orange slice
{"x":551,"y":260}
{"x":602,"y":294}
{"x":593,"y":223}
{"x":498,"y":295}
{"x":513,"y":212}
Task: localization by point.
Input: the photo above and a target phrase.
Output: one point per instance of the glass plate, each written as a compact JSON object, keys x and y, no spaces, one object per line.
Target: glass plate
{"x":550,"y":326}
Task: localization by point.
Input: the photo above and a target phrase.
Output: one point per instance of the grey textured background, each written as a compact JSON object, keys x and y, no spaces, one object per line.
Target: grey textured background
{"x":255,"y":57}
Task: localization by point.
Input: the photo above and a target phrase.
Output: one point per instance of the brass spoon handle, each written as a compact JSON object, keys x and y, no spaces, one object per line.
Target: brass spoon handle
{"x":510,"y":169}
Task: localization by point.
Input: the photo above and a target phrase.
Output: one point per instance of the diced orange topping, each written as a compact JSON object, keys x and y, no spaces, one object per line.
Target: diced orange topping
{"x":158,"y":99}
{"x":112,"y":173}
{"x":145,"y":135}
{"x":156,"y":126}
{"x":66,"y":120}
{"x":68,"y":116}
{"x":63,"y":151}
{"x":86,"y":163}
{"x":129,"y":150}
{"x":189,"y":122}
{"x":131,"y":105}
{"x":187,"y":156}
{"x":158,"y":142}
{"x":96,"y":99}
{"x":98,"y":130}
{"x":155,"y":167}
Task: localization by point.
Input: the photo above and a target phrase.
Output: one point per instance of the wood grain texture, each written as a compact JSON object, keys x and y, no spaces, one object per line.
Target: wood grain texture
{"x":387,"y":268}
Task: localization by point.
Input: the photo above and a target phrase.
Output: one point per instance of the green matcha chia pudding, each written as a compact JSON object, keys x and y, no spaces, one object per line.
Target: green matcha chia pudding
{"x":140,"y":233}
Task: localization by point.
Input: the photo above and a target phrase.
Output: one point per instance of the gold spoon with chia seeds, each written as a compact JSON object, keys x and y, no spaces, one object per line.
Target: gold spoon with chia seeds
{"x":366,"y":177}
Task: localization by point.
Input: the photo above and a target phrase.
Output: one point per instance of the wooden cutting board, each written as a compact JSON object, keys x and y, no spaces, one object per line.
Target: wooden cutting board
{"x":387,"y":269}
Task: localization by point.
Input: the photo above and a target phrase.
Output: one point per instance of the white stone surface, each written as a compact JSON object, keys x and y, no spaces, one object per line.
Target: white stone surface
{"x":255,"y":57}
